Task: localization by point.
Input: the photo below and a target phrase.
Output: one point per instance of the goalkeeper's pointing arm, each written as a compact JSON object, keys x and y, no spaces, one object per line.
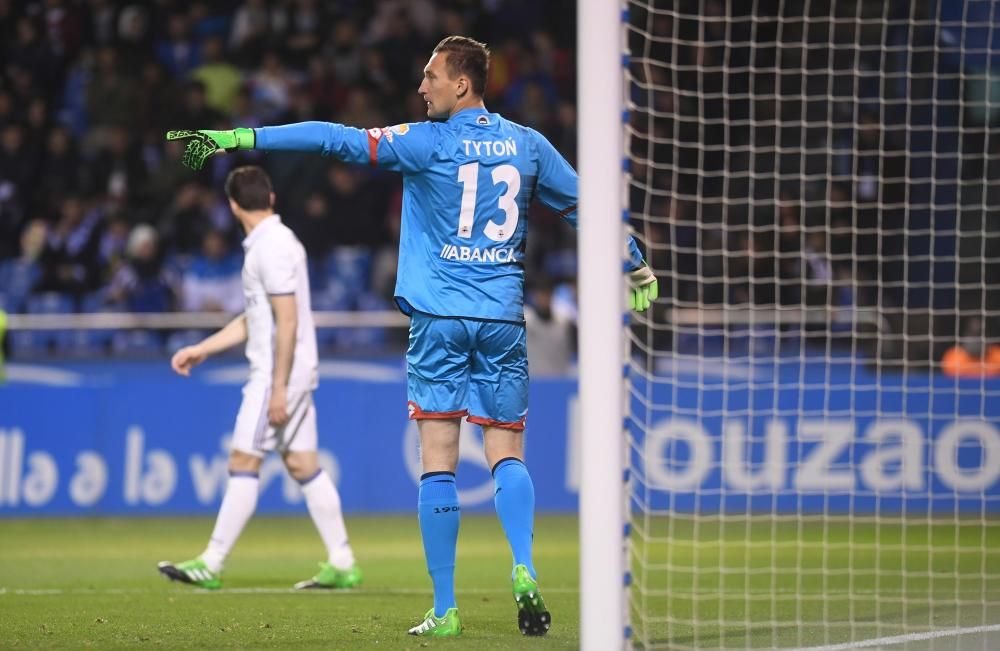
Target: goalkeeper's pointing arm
{"x":348,"y":144}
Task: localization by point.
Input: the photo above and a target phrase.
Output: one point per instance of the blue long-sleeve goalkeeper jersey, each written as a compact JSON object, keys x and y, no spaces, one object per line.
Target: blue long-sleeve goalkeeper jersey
{"x":467,"y":183}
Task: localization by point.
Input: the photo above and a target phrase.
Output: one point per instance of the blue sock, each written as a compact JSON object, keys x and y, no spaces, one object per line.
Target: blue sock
{"x":515,"y":502}
{"x":437,"y":509}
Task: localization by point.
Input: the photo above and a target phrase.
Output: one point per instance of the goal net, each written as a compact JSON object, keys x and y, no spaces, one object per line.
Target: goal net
{"x":813,"y":403}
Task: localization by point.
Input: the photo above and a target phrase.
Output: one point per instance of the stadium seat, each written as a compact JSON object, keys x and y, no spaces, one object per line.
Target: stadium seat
{"x":41,"y":342}
{"x":363,"y":338}
{"x":137,"y":343}
{"x":351,"y":266}
{"x":182,"y":338}
{"x":16,"y":280}
{"x":332,"y":298}
{"x":317,"y":275}
{"x":93,"y":342}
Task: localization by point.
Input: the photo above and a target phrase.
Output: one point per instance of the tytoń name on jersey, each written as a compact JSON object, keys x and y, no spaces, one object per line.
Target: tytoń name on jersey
{"x":476,"y":254}
{"x":506,"y":147}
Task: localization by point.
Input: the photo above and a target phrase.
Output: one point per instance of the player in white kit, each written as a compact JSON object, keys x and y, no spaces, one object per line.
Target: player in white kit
{"x":277,"y":413}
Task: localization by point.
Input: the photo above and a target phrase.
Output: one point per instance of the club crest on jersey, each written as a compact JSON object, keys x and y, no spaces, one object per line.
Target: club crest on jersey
{"x":482,"y":120}
{"x":400,"y":129}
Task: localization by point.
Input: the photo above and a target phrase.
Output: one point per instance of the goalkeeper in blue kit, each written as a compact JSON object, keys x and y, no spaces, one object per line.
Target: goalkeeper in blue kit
{"x":468,"y":179}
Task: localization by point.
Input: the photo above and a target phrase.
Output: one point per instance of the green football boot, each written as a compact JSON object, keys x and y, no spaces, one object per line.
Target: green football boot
{"x":194,"y":572}
{"x":331,"y":578}
{"x":532,"y":616}
{"x":447,"y":626}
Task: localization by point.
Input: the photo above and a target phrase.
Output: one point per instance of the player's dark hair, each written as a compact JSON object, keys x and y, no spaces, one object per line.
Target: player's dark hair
{"x":467,"y":57}
{"x":250,"y":187}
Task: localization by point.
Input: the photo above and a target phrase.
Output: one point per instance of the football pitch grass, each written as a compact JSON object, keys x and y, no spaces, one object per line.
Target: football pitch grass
{"x":78,"y":583}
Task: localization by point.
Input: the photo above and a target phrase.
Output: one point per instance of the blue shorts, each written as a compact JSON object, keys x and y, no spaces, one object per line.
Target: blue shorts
{"x":464,"y":367}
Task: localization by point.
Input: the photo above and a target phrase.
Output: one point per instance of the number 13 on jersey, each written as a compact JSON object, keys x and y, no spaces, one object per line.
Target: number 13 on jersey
{"x":468,"y":176}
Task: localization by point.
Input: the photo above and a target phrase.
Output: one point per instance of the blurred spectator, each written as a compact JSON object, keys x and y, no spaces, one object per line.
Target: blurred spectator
{"x":221,"y":79}
{"x":8,"y":16}
{"x":306,"y":26}
{"x":386,"y":258}
{"x":563,"y":131}
{"x":816,"y":270}
{"x":195,"y":109}
{"x":272,"y":86}
{"x":178,"y":51}
{"x":301,"y":107}
{"x":142,"y":283}
{"x":314,"y":227}
{"x":19,"y":275}
{"x":114,"y":240}
{"x":7,"y":112}
{"x":11,"y":220}
{"x":326,"y":91}
{"x":358,"y":206}
{"x":212,"y":282}
{"x":101,"y":25}
{"x":207,"y":20}
{"x":169,"y":175}
{"x":343,"y":52}
{"x":37,"y":124}
{"x":752,"y":269}
{"x":251,"y":23}
{"x":375,"y":75}
{"x":504,"y":61}
{"x":118,"y":172}
{"x":18,"y":163}
{"x":62,"y":166}
{"x":185,"y":220}
{"x":550,"y":334}
{"x":534,"y":107}
{"x":398,"y":43}
{"x":69,"y":259}
{"x":871,"y":159}
{"x":112,"y":98}
{"x":159,"y":98}
{"x":361,"y":111}
{"x":531,"y":93}
{"x":133,"y":36}
{"x":244,"y":112}
{"x":29,"y":53}
{"x":389,"y":14}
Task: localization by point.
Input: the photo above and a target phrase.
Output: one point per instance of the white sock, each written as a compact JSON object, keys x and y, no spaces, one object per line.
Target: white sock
{"x":323,"y":501}
{"x":238,"y":505}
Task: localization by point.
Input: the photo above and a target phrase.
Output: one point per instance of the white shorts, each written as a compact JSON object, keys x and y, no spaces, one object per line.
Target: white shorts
{"x":253,"y":433}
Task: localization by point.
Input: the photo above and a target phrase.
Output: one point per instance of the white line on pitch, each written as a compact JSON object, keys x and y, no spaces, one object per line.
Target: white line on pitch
{"x":45,"y":592}
{"x":909,"y":637}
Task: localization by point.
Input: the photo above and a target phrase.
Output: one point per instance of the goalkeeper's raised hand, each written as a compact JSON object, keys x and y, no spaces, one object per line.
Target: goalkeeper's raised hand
{"x":643,"y":288}
{"x":203,"y":143}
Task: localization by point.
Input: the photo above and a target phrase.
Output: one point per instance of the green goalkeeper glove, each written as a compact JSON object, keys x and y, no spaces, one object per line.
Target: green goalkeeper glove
{"x":643,"y":288}
{"x":203,"y":144}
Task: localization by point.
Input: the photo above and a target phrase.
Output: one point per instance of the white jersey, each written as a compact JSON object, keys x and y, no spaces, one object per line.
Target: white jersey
{"x":275,"y":264}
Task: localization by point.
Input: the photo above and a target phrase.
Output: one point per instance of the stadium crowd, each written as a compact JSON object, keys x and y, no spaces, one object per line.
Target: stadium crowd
{"x":822,"y":155}
{"x":96,"y":210}
{"x":781,"y":183}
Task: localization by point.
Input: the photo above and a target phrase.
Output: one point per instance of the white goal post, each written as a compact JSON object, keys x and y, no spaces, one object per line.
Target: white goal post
{"x":798,"y":446}
{"x":601,"y":246}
